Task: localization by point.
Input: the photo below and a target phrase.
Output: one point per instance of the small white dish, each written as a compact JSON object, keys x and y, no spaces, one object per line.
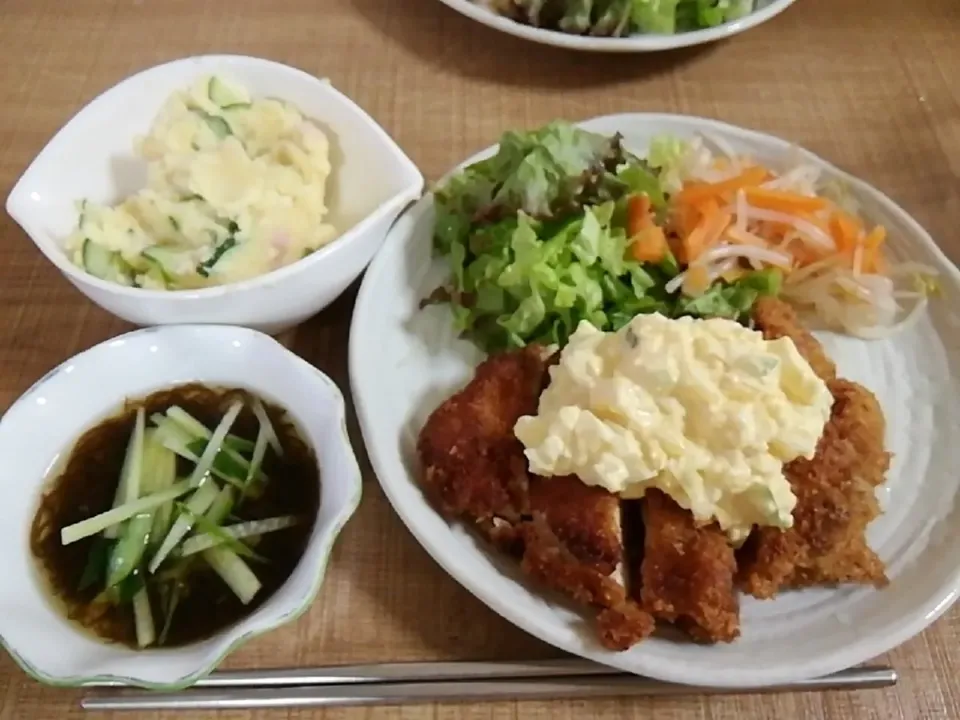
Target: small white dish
{"x":39,"y":429}
{"x":92,"y":157}
{"x":765,"y":10}
{"x":915,"y":375}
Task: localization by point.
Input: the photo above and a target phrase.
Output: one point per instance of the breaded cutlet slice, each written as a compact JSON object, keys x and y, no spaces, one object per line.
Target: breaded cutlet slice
{"x":687,"y":572}
{"x":835,"y":504}
{"x":574,"y":544}
{"x":776,"y":319}
{"x":566,"y":534}
{"x":474,"y":468}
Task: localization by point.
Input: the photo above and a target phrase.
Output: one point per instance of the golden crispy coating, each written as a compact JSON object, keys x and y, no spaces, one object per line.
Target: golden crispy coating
{"x":474,"y":467}
{"x":687,"y":572}
{"x":775,"y":319}
{"x":567,"y":534}
{"x":585,"y":519}
{"x":621,"y":622}
{"x":835,"y":503}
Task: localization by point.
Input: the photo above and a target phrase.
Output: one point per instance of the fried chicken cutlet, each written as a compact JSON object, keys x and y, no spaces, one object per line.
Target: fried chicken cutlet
{"x":567,"y":535}
{"x":687,"y":572}
{"x":835,"y":489}
{"x":474,"y":467}
{"x":776,"y":319}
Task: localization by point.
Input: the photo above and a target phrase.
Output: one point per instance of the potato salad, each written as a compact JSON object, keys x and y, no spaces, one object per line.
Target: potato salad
{"x":236,"y":189}
{"x":707,"y":411}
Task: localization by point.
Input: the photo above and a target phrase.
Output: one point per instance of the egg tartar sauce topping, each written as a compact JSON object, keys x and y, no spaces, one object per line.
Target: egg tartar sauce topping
{"x":707,"y":411}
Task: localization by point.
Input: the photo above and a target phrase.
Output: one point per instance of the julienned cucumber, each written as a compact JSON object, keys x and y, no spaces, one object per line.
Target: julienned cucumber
{"x":224,"y":96}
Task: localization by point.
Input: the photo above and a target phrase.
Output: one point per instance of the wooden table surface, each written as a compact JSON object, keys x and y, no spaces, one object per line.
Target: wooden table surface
{"x":870,"y":84}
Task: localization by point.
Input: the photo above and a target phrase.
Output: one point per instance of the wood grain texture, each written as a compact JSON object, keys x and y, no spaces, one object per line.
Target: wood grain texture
{"x":869,"y":84}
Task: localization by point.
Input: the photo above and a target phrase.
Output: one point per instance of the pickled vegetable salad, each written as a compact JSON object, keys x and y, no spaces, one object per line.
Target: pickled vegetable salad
{"x":563,"y":225}
{"x":728,"y":213}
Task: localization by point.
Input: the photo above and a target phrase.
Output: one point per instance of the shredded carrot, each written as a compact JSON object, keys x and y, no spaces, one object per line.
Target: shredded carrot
{"x":695,"y":193}
{"x":802,"y":253}
{"x":675,"y":245}
{"x":649,"y":245}
{"x":638,"y":214}
{"x":707,"y":206}
{"x":697,"y":281}
{"x":775,"y":232}
{"x":781,"y":201}
{"x":683,"y":221}
{"x":876,"y":237}
{"x":873,"y":260}
{"x":707,"y":232}
{"x":845,"y":231}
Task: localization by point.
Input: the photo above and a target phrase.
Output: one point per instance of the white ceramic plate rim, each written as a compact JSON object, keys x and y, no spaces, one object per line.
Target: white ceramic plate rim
{"x":275,"y":277}
{"x":325,"y":541}
{"x":446,"y":555}
{"x":631,"y":44}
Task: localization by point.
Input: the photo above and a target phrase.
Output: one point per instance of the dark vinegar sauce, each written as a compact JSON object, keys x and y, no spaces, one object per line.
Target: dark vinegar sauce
{"x":87,"y":486}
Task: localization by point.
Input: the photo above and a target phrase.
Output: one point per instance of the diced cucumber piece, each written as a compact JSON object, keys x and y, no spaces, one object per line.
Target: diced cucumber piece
{"x":105,"y":264}
{"x":98,"y":260}
{"x":224,"y":95}
{"x":154,"y":277}
{"x":219,"y":251}
{"x":171,"y":262}
{"x":218,"y":125}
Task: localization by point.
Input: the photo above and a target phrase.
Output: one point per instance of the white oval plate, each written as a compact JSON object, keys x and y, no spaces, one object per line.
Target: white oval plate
{"x":766,"y":10}
{"x":404,"y":362}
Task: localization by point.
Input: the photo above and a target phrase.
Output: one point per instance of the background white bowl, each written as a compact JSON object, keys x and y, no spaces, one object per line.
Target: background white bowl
{"x":765,"y":10}
{"x":92,"y":157}
{"x":40,"y":428}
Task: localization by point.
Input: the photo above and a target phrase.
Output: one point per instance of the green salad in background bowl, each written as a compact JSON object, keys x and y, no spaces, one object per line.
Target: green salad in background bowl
{"x":621,"y":18}
{"x":621,"y":25}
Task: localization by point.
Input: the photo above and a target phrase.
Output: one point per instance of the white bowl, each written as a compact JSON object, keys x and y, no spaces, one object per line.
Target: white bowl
{"x":915,"y":376}
{"x":765,"y":10}
{"x":92,"y":157}
{"x":42,"y":425}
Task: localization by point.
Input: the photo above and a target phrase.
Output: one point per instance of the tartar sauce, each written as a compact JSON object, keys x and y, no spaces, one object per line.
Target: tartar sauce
{"x":707,"y":411}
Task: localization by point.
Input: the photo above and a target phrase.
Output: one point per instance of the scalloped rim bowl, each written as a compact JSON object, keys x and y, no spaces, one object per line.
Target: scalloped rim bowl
{"x":808,"y":633}
{"x":92,"y":157}
{"x":766,"y":10}
{"x":39,"y":430}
